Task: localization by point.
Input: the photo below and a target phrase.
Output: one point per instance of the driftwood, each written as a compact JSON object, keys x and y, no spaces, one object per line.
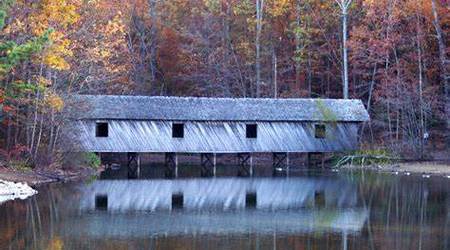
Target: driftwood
{"x":364,"y":158}
{"x":55,"y":177}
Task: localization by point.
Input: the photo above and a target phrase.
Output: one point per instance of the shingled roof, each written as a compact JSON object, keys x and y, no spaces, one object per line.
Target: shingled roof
{"x":214,"y":109}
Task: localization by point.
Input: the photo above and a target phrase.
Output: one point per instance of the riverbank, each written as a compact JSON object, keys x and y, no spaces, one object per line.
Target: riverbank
{"x":426,"y":169}
{"x":39,"y":177}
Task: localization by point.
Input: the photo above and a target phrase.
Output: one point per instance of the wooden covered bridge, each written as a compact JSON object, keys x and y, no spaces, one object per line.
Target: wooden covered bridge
{"x":211,"y":126}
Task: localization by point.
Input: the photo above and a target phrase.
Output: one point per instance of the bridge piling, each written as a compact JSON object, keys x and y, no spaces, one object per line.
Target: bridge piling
{"x":133,"y":165}
{"x":171,"y":164}
{"x":245,"y":164}
{"x":280,"y":162}
{"x":208,"y":165}
{"x":316,"y":159}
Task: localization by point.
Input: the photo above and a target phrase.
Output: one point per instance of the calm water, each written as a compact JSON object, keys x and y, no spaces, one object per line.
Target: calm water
{"x":312,"y":210}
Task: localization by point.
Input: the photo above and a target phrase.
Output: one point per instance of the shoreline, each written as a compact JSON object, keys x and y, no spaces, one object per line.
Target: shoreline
{"x":426,"y":169}
{"x":16,"y":184}
{"x":35,"y":178}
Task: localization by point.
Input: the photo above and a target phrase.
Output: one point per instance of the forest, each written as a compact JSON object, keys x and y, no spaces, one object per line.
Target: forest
{"x":391,"y":54}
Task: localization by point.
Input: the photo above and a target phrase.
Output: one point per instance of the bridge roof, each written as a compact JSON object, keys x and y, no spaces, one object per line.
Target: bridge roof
{"x":214,"y":109}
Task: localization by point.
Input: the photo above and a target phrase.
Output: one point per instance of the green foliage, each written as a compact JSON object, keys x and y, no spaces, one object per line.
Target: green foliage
{"x":92,"y":160}
{"x":12,"y":53}
{"x":91,"y":179}
{"x":22,"y":165}
{"x":244,"y":7}
{"x":213,"y":5}
{"x":21,"y":88}
{"x":327,"y":114}
{"x":2,"y":18}
{"x":326,"y":218}
{"x":366,"y":157}
{"x":4,"y":5}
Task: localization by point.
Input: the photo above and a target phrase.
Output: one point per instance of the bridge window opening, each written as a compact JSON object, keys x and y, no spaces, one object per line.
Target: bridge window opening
{"x":251,"y":130}
{"x":101,"y":129}
{"x":320,"y":131}
{"x":319,"y":199}
{"x":250,"y":200}
{"x":177,"y":200}
{"x":101,"y":202}
{"x":178,"y":130}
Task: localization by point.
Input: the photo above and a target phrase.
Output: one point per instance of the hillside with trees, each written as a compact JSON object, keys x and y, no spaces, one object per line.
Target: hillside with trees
{"x":391,"y":54}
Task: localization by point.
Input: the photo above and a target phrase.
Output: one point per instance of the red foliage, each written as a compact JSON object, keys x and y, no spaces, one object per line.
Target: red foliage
{"x":18,"y":152}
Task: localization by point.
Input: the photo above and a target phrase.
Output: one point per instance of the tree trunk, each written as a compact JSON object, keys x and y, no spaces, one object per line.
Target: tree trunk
{"x":153,"y":34}
{"x":369,"y":102}
{"x":344,"y":5}
{"x":444,"y":68}
{"x":422,"y":128}
{"x":38,"y":142}
{"x":226,"y":41}
{"x":297,"y":44}
{"x":344,"y":47}
{"x":309,"y":75}
{"x":259,"y":17}
{"x":275,"y":73}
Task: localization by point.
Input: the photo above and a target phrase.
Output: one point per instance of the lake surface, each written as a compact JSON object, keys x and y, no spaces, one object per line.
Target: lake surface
{"x":307,"y":210}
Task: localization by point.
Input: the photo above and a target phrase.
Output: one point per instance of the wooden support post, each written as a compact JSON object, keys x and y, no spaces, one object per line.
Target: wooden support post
{"x":280,"y":162}
{"x":133,"y":165}
{"x":138,"y":172}
{"x":245,"y":164}
{"x":315,"y":159}
{"x":251,"y":165}
{"x":215,"y":165}
{"x":208,"y":165}
{"x":308,"y":161}
{"x":171,"y":164}
{"x":176,"y":165}
{"x":287,"y":164}
{"x":322,"y":159}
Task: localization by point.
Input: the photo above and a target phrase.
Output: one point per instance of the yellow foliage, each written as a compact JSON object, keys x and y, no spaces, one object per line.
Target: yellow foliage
{"x":279,"y":7}
{"x":54,"y":13}
{"x":43,"y":82}
{"x":116,"y":25}
{"x":54,"y":101}
{"x":55,"y":244}
{"x":105,"y":53}
{"x":59,"y":49}
{"x":112,"y":40}
{"x":56,"y":62}
{"x":59,"y":15}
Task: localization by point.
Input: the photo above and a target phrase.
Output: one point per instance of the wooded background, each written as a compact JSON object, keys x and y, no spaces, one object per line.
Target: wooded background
{"x":397,"y":50}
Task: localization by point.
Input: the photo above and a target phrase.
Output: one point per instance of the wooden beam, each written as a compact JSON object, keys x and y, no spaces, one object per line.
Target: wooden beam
{"x":133,"y":165}
{"x":208,"y":165}
{"x":171,"y":164}
{"x":245,"y":164}
{"x":280,"y":162}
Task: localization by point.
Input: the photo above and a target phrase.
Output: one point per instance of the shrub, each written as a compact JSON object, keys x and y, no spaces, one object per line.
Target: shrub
{"x":92,"y":160}
{"x":17,"y":158}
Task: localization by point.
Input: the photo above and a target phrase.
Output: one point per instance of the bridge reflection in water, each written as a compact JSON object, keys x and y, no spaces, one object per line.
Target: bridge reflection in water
{"x":141,"y":208}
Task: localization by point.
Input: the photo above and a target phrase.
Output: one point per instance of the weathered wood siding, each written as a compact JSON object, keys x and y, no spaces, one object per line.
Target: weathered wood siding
{"x":217,"y":137}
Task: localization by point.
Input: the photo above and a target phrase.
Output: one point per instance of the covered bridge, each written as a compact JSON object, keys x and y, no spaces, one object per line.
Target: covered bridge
{"x":171,"y":125}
